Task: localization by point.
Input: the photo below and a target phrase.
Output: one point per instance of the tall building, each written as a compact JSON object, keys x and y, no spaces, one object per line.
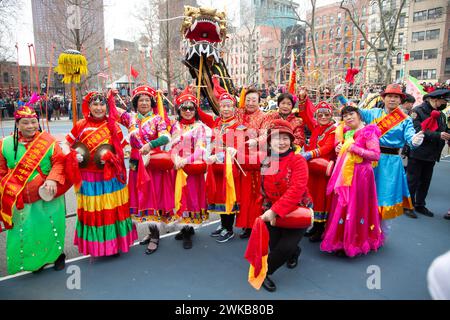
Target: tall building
{"x":400,"y":44}
{"x":55,"y":23}
{"x":339,"y":45}
{"x":169,"y":9}
{"x":275,"y":13}
{"x":428,"y":40}
{"x":254,"y":58}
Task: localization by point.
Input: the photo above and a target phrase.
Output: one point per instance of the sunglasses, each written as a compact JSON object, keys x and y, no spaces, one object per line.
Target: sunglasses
{"x":191,"y":109}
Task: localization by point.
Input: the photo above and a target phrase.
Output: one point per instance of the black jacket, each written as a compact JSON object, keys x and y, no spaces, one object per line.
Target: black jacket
{"x":432,"y":145}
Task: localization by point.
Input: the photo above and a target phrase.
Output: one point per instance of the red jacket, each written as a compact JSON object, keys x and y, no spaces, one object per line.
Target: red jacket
{"x":287,"y":188}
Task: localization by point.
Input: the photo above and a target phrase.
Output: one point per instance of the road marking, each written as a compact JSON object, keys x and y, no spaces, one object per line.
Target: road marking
{"x":88,"y":256}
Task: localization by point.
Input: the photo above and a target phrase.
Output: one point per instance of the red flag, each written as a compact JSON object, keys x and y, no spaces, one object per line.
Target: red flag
{"x":133,"y":72}
{"x":257,"y":253}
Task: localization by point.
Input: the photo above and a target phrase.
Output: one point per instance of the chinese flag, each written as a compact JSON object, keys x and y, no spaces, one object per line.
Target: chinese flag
{"x":133,"y":72}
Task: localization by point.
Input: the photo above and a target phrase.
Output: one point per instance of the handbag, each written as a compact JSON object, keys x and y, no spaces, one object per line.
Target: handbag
{"x":300,"y":218}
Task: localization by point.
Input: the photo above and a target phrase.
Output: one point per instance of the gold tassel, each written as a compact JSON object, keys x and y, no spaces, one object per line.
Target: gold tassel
{"x":72,"y":64}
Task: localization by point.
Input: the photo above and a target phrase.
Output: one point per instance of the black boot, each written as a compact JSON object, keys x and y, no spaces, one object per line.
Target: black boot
{"x":310,"y":232}
{"x":317,"y":235}
{"x":154,"y":240}
{"x":180,"y":235}
{"x":269,"y":285}
{"x":293,"y":261}
{"x":187,"y":237}
{"x":60,"y":263}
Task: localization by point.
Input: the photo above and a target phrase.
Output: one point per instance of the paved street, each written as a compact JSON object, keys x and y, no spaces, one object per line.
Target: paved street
{"x":219,"y":271}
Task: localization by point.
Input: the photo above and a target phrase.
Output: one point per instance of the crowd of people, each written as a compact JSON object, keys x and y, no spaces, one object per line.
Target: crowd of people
{"x":246,"y":165}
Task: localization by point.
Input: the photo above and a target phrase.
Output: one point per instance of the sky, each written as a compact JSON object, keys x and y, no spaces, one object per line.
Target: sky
{"x":119,"y":21}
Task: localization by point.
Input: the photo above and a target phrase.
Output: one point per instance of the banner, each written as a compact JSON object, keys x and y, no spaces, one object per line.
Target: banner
{"x":414,"y":88}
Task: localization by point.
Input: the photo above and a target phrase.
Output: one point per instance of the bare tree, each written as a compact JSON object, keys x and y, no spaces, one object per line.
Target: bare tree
{"x":9,"y":10}
{"x":309,"y":22}
{"x":79,"y":31}
{"x":388,"y":18}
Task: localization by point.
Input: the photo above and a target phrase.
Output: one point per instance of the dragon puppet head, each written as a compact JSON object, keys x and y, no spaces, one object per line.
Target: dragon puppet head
{"x":204,"y":28}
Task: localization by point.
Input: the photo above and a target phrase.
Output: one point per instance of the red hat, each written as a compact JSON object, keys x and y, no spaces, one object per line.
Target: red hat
{"x":91,"y":96}
{"x":220,"y":93}
{"x":25,"y":112}
{"x":394,"y":88}
{"x":138,"y":91}
{"x":281,"y":126}
{"x":186,"y":95}
{"x":323,"y":106}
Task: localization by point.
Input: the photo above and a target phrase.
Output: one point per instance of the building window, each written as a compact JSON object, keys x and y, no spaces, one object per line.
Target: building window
{"x":324,"y":49}
{"x":339,"y":17}
{"x":399,"y":58}
{"x":401,"y":21}
{"x":338,"y":32}
{"x":416,"y":55}
{"x":5,"y":77}
{"x":316,"y":36}
{"x":331,"y":20}
{"x":361,"y":61}
{"x":429,"y":74}
{"x":433,"y":34}
{"x":420,"y":16}
{"x":400,"y":39}
{"x":435,"y":13}
{"x":416,"y":74}
{"x":330,"y":48}
{"x":323,"y":34}
{"x":337,"y":47}
{"x":418,"y":36}
{"x":447,"y":65}
{"x":430,"y":54}
{"x":331,"y":34}
{"x":345,"y":62}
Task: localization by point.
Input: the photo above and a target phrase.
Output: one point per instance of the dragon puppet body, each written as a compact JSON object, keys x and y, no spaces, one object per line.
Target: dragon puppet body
{"x":204,"y":30}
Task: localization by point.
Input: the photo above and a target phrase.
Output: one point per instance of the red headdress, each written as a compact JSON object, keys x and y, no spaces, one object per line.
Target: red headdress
{"x":323,"y":106}
{"x":220,"y":93}
{"x":186,"y":95}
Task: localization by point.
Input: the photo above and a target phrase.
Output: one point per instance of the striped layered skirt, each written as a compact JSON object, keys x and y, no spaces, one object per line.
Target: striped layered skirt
{"x":104,"y":226}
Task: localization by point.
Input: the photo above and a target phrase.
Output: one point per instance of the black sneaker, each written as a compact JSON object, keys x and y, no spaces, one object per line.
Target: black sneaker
{"x":246,"y":233}
{"x":410,"y":213}
{"x":225,"y":235}
{"x":447,"y":216}
{"x":217,"y":232}
{"x":424,"y":211}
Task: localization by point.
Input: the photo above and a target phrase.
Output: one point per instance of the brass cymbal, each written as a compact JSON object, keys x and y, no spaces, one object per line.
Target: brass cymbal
{"x":84,"y":151}
{"x":101,"y":150}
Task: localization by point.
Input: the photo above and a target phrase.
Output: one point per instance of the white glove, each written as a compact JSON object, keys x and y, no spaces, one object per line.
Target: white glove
{"x":417,"y":139}
{"x":80,"y":158}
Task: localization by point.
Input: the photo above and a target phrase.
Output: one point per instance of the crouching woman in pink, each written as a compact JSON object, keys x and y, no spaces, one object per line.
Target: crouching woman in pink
{"x":353,"y":226}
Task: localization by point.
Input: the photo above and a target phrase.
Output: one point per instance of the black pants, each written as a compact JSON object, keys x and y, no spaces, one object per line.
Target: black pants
{"x":283,"y":244}
{"x":419,"y":174}
{"x":227,"y":221}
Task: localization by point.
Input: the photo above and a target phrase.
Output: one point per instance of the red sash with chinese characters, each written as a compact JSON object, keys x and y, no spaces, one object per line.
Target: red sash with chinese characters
{"x":97,"y":137}
{"x":391,"y":120}
{"x":13,"y":183}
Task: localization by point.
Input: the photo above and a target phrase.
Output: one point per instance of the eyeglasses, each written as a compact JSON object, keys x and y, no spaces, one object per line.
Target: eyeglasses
{"x":185,"y":109}
{"x":323,"y":115}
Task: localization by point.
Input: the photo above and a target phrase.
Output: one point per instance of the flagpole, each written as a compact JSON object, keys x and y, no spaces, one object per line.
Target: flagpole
{"x":109,"y":64}
{"x":19,"y":76}
{"x":30,"y":70}
{"x":101,"y":66}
